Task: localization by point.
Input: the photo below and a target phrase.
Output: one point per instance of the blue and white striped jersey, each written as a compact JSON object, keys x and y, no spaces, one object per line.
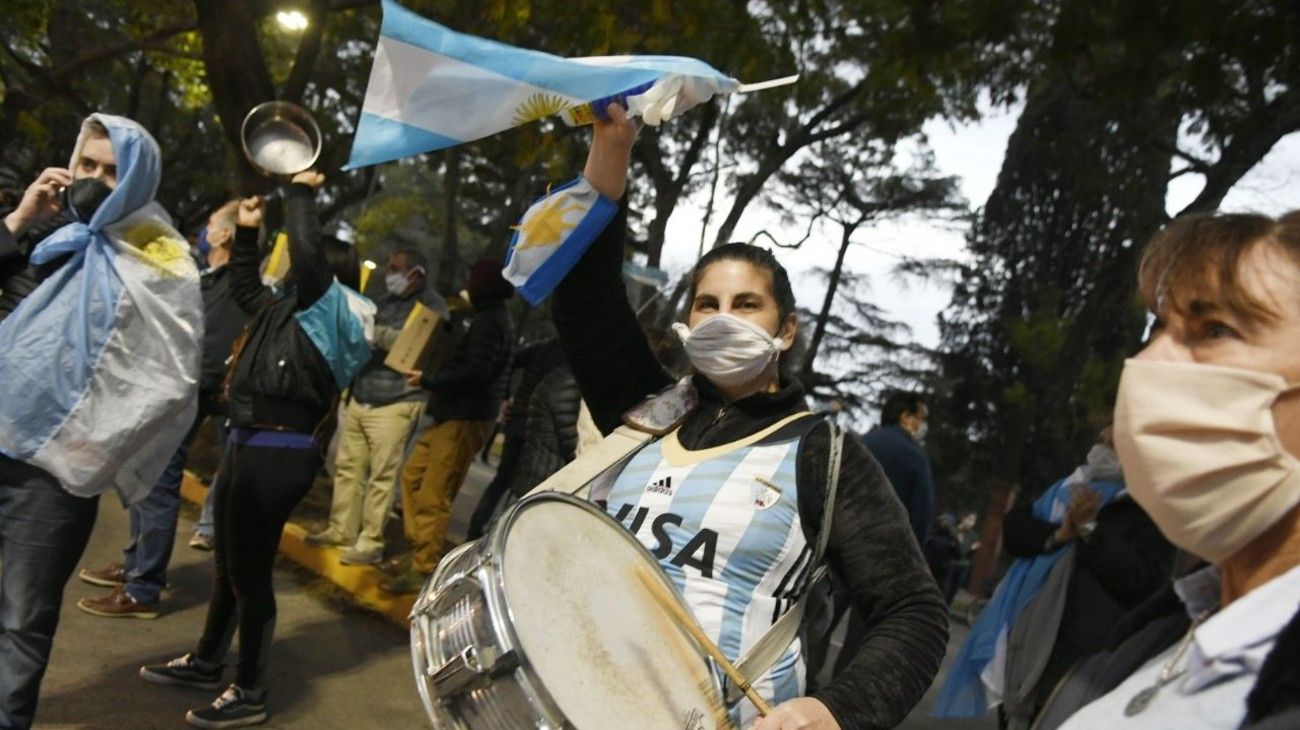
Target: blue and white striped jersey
{"x":724,"y":524}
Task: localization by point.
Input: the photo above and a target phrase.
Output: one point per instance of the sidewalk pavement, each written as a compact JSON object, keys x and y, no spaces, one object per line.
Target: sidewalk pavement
{"x":360,"y":581}
{"x":332,"y":665}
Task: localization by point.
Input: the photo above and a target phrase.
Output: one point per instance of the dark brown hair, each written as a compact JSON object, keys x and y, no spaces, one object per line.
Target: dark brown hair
{"x":1197,"y":257}
{"x":760,"y":258}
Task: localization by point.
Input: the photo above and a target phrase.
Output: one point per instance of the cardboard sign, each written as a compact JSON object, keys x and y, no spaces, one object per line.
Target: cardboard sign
{"x":415,"y":342}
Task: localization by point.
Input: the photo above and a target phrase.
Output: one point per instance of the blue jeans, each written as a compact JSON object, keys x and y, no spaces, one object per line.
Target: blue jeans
{"x":207,"y":524}
{"x":153,"y":531}
{"x":153,"y":524}
{"x":43,"y":532}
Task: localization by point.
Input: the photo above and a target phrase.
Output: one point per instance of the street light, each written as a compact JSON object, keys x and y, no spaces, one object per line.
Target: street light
{"x":291,"y":20}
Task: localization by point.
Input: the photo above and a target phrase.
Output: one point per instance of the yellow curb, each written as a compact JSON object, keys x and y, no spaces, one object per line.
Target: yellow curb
{"x":362,"y":581}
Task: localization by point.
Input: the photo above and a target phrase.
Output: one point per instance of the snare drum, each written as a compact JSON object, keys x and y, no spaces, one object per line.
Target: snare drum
{"x":544,"y":624}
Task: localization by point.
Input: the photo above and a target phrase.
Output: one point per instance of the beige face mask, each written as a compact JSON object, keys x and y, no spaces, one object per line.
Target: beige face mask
{"x":1201,"y":453}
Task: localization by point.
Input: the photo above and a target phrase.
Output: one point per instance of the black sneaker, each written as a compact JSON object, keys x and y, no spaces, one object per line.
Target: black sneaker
{"x":236,"y":707}
{"x":186,"y":671}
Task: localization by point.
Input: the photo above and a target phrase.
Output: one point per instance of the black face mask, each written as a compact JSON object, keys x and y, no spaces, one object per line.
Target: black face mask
{"x":84,"y":196}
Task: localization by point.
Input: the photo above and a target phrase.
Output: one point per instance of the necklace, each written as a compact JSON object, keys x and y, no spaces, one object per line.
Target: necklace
{"x":1143,"y":699}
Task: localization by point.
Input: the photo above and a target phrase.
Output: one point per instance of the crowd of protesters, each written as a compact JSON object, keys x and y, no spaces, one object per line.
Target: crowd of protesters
{"x":1154,"y":585}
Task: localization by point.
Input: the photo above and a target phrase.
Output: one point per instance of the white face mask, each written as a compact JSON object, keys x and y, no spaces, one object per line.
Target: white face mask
{"x":921,"y":431}
{"x":396,"y":284}
{"x":729,"y":350}
{"x":1202,"y":455}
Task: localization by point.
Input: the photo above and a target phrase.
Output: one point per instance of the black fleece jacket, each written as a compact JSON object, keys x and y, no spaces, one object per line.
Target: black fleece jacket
{"x":871,"y":545}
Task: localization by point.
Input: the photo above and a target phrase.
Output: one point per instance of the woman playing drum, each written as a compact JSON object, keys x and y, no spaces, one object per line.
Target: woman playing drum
{"x":731,"y":502}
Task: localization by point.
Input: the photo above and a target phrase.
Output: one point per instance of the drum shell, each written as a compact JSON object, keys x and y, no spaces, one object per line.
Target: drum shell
{"x":464,"y":604}
{"x":466,"y":596}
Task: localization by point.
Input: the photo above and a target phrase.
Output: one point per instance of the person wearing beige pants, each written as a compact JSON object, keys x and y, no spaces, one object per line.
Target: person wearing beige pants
{"x":466,"y":396}
{"x":380,"y":411}
{"x":365,"y":473}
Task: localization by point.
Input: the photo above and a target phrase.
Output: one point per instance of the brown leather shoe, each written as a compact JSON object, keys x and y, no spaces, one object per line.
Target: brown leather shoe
{"x":110,"y":576}
{"x":118,"y":605}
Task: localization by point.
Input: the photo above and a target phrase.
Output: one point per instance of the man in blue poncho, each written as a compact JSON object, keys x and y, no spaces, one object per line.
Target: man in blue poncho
{"x":99,"y":301}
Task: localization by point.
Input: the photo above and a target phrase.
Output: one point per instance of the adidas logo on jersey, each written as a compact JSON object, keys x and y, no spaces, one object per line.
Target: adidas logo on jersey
{"x":661,"y":486}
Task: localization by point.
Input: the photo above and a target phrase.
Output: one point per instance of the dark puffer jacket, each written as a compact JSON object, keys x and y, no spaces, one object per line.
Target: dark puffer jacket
{"x":377,"y":384}
{"x":530,"y":365}
{"x":280,"y":379}
{"x":551,"y":433}
{"x":471,"y":385}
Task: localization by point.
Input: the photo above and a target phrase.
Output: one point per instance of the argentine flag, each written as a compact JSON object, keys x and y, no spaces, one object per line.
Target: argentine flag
{"x":553,"y":235}
{"x":431,"y":88}
{"x":341,"y":324}
{"x":99,"y":365}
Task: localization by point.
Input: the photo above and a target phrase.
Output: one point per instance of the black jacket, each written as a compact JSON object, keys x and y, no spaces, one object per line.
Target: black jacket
{"x":280,"y":379}
{"x":871,"y":545}
{"x":1147,"y":632}
{"x":18,"y":277}
{"x":529,"y":366}
{"x":223,"y":320}
{"x":471,"y":385}
{"x":550,"y":436}
{"x":1123,"y":563}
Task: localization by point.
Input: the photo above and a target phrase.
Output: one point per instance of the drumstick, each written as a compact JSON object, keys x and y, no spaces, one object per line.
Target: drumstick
{"x":684,"y":620}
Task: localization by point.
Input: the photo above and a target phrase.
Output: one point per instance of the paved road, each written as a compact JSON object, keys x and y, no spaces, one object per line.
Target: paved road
{"x":332,"y":666}
{"x":920,"y":718}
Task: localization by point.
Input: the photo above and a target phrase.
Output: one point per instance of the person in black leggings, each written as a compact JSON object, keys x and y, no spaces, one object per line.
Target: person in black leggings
{"x":282,"y":394}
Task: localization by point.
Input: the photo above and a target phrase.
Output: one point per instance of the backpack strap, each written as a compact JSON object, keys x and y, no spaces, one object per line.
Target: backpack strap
{"x":765,"y":652}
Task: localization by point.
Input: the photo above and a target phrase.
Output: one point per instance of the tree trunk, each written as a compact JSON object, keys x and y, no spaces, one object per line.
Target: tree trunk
{"x":236,"y":72}
{"x":669,"y":186}
{"x":819,"y":329}
{"x":745,"y":194}
{"x":449,"y":267}
{"x":308,"y":49}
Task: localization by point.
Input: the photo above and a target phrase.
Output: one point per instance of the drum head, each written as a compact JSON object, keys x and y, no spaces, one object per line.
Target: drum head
{"x":605,"y":651}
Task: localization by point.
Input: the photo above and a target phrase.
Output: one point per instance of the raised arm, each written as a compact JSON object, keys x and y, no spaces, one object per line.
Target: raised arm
{"x":602,"y":340}
{"x":245,"y":284}
{"x":311,"y":271}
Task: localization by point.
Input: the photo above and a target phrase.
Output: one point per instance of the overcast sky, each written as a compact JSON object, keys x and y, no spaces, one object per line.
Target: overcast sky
{"x":972,"y":152}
